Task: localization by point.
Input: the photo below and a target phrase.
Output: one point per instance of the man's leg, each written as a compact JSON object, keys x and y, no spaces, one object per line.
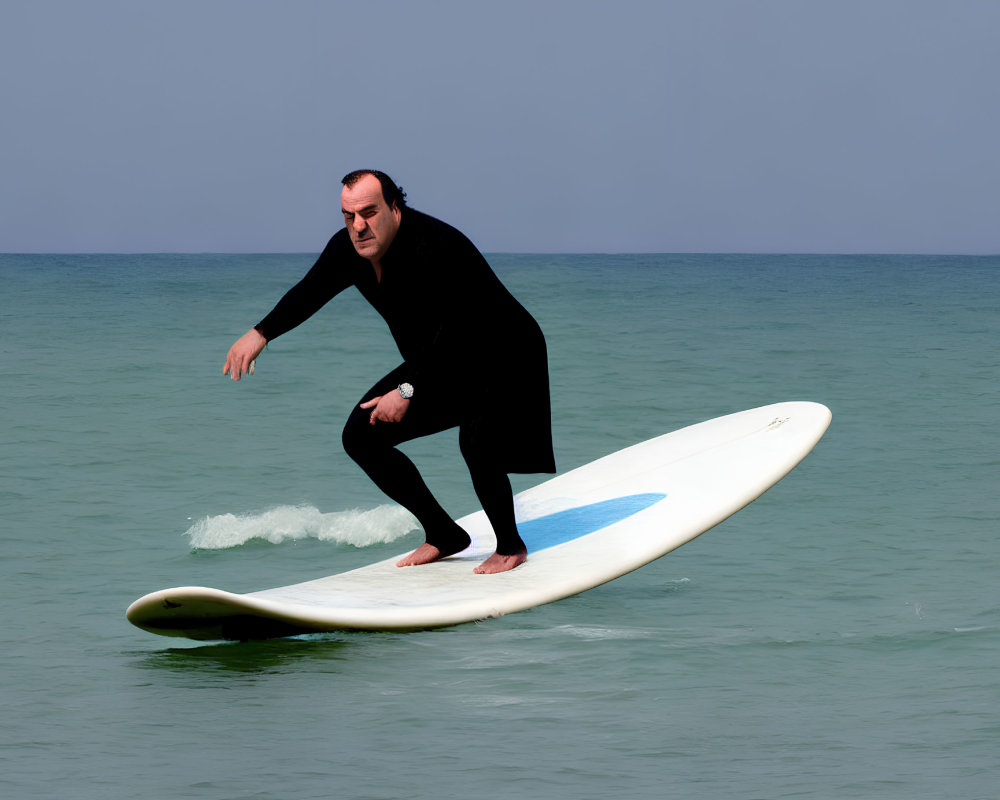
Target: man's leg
{"x":493,"y":489}
{"x":374,"y":448}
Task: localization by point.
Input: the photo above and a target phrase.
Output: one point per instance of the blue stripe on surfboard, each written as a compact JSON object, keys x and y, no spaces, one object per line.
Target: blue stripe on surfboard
{"x":564,"y":526}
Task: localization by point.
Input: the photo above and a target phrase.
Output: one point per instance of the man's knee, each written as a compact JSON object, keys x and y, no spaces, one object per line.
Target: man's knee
{"x":357,"y":438}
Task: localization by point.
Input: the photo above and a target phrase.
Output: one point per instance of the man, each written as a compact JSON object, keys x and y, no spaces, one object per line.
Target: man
{"x":473,"y":357}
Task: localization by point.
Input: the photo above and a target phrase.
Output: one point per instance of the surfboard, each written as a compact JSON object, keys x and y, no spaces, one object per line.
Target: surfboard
{"x":583,"y":528}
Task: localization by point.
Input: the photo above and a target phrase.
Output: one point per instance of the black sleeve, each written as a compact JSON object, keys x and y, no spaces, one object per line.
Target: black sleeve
{"x":330,"y":275}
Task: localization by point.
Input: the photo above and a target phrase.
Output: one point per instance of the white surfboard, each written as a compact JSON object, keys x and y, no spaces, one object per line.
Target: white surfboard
{"x":582,"y":529}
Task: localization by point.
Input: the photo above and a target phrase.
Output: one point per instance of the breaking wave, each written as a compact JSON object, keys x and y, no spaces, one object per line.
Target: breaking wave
{"x":357,"y":527}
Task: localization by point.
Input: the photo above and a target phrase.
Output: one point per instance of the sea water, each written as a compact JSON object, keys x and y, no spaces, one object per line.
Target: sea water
{"x":838,"y":638}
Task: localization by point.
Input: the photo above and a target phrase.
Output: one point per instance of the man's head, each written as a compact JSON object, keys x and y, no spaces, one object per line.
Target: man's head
{"x":373,"y":208}
{"x":391,"y":193}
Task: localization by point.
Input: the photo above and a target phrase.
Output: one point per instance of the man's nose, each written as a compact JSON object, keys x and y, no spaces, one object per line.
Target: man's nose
{"x":360,"y":223}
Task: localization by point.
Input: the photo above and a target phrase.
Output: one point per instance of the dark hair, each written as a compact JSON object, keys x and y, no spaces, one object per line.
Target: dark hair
{"x":391,"y":193}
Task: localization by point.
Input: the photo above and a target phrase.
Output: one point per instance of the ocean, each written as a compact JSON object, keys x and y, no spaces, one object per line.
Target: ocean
{"x":838,"y":638}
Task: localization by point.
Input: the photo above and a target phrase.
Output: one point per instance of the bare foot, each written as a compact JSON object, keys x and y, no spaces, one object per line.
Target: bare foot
{"x":455,"y":542}
{"x":424,"y":554}
{"x":498,"y":563}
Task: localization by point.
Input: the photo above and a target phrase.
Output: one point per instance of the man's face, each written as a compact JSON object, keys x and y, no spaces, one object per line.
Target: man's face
{"x":371,"y":223}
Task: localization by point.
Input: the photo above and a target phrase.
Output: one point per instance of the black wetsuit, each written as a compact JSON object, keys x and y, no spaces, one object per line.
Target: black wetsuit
{"x":475,"y":357}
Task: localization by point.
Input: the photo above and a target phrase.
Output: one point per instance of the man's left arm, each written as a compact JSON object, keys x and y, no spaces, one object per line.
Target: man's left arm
{"x":391,"y":407}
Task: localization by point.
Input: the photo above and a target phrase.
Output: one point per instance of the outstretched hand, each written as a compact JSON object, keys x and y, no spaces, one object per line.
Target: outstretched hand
{"x":390,"y":407}
{"x":239,"y":361}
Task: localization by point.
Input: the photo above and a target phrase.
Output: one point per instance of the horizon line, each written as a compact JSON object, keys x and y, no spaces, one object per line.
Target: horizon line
{"x":315,"y":253}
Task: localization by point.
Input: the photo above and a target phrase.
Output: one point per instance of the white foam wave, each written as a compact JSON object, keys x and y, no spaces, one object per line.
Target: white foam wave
{"x":357,"y":527}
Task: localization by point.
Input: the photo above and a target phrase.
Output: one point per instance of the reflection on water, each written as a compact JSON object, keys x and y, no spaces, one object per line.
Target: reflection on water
{"x":252,"y":658}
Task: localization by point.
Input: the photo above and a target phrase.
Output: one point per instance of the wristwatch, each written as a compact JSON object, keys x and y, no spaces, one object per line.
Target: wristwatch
{"x":405,"y":390}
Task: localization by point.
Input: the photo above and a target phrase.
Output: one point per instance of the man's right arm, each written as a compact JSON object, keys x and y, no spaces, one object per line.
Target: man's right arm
{"x":319,"y":285}
{"x":242,"y":354}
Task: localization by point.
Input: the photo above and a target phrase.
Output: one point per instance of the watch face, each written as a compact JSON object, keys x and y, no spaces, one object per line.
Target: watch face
{"x":406,"y":390}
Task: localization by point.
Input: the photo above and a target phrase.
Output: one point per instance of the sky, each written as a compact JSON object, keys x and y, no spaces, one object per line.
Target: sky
{"x":542,"y":126}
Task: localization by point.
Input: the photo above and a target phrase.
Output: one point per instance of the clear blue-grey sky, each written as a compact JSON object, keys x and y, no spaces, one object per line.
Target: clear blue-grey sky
{"x":532,"y":125}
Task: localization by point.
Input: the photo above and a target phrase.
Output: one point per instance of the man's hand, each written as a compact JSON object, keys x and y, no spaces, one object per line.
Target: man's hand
{"x":239,"y":362}
{"x":387,"y":408}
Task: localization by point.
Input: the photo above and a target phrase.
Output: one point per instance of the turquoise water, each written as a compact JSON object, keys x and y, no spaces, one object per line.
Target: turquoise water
{"x":837,"y":638}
